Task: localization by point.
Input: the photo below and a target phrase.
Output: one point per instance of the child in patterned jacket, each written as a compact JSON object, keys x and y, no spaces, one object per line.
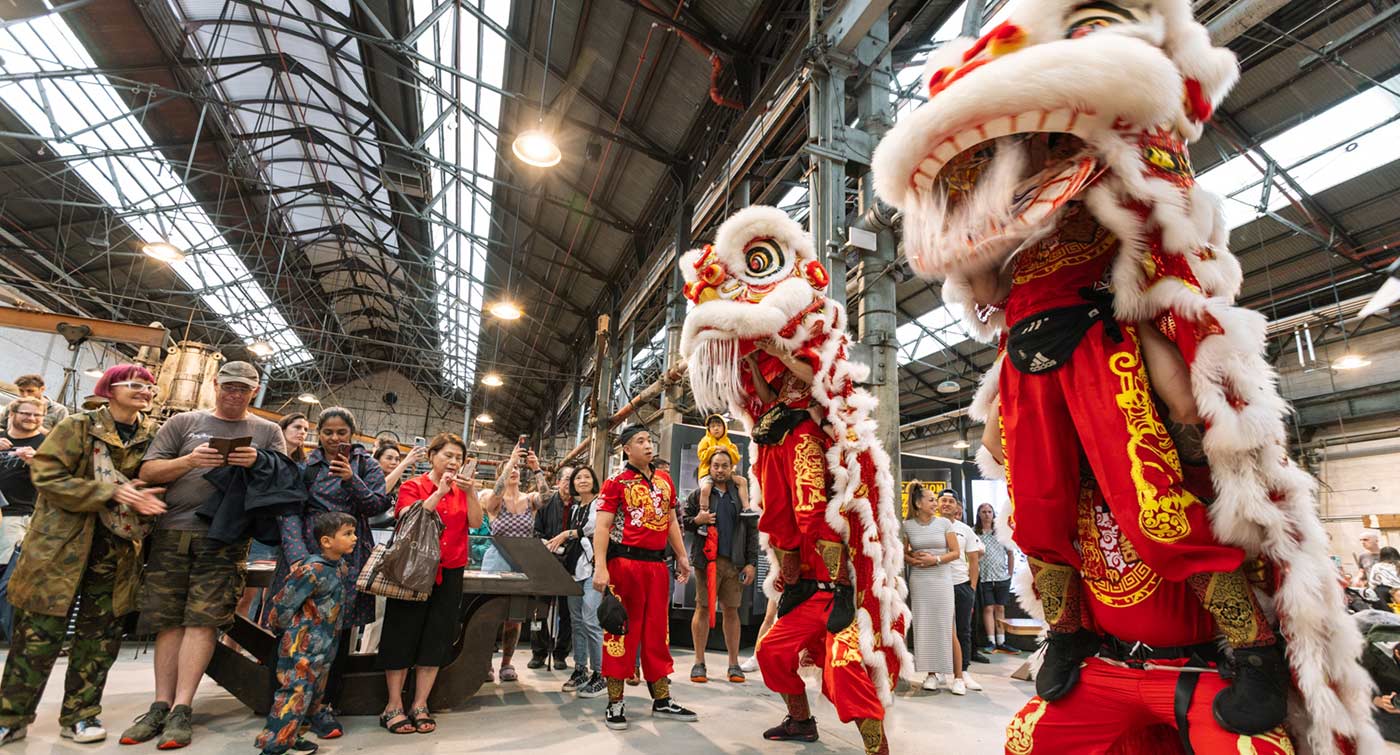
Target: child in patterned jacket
{"x":307,"y":611}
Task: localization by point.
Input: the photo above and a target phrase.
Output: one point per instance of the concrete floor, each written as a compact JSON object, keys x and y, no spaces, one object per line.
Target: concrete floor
{"x":532,"y":715}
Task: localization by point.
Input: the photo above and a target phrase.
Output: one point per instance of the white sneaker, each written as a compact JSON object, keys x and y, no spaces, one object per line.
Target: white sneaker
{"x":931,"y":683}
{"x":971,"y":683}
{"x":85,"y":731}
{"x":750,"y":664}
{"x":958,"y":687}
{"x":941,"y":679}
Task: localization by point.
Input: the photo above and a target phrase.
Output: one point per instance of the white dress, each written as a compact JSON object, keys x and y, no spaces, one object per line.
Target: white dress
{"x":931,"y":598}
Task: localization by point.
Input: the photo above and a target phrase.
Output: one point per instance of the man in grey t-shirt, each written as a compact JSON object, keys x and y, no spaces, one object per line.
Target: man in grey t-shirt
{"x":192,"y":584}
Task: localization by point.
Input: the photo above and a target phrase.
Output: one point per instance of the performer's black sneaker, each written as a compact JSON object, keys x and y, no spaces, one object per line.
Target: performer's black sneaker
{"x":617,"y":716}
{"x":667,"y":708}
{"x":1059,"y":671}
{"x":1257,"y":698}
{"x":793,"y":731}
{"x":977,"y":657}
{"x":535,"y":663}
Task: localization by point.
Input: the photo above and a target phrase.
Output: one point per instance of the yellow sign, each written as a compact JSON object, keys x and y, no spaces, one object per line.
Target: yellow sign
{"x":937,"y":486}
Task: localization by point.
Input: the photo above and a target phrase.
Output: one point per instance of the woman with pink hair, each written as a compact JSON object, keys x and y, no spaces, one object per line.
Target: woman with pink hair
{"x":79,"y":548}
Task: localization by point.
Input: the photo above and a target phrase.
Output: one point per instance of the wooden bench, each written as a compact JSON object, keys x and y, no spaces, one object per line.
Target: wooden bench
{"x":1021,"y":634}
{"x":1023,"y":627}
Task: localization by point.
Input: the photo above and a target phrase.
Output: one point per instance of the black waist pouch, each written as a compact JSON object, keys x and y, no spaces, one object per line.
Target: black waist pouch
{"x":1044,"y":342}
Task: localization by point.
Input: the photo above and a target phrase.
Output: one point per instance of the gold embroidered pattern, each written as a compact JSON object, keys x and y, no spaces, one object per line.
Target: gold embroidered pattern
{"x":1155,"y":464}
{"x":1078,"y":239}
{"x":1110,"y":566}
{"x":872,"y":734}
{"x":845,"y":647}
{"x":614,"y":644}
{"x":660,"y":689}
{"x":809,"y":467}
{"x":834,"y":556}
{"x":1227,"y":596}
{"x":1052,"y":583}
{"x":1020,"y":733}
{"x":1273,"y":742}
{"x":647,"y":508}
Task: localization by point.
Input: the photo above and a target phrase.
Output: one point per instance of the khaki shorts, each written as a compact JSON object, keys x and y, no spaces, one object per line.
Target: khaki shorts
{"x":191,"y":581}
{"x":728,"y":590}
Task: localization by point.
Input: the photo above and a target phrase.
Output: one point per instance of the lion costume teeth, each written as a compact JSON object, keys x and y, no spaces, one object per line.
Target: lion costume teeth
{"x":1133,"y":81}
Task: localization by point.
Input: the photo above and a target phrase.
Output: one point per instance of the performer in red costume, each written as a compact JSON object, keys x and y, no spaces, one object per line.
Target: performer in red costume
{"x":1048,"y":184}
{"x":815,"y":608}
{"x":635,"y":521}
{"x":1076,"y":372}
{"x":764,"y":343}
{"x":1138,"y":694}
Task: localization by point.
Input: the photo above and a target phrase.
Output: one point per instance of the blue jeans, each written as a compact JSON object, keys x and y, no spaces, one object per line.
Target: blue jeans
{"x":588,"y":633}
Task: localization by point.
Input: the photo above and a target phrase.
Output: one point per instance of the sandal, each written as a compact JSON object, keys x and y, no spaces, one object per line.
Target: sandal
{"x":404,"y":726}
{"x":508,"y":674}
{"x":420,"y":721}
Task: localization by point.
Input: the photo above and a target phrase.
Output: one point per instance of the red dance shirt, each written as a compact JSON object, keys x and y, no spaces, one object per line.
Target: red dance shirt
{"x":643,"y":506}
{"x":1049,"y":273}
{"x":452,"y":508}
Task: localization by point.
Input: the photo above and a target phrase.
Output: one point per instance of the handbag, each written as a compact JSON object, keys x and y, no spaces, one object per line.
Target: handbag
{"x":414,"y":554}
{"x":373,"y":581}
{"x":120,"y":518}
{"x":573,"y":548}
{"x":612,"y":615}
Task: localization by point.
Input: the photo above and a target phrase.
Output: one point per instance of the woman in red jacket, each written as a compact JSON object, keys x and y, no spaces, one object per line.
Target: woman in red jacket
{"x":419,"y":635}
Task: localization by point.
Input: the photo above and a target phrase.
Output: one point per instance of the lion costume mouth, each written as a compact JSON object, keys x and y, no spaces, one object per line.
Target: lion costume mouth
{"x":959,"y":167}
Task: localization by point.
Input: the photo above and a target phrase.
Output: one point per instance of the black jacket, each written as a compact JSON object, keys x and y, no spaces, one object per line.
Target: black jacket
{"x":550,"y":519}
{"x":249,"y":501}
{"x":745,"y":535}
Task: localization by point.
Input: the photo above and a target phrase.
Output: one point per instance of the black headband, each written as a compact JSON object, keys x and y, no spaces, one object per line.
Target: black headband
{"x":626,"y":434}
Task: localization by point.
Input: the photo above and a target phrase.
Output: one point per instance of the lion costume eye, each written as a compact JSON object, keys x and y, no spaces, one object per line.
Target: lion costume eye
{"x":763,"y":258}
{"x":1092,"y":16}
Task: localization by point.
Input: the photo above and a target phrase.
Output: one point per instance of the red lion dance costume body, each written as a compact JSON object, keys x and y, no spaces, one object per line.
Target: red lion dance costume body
{"x":766,"y":344}
{"x":1047,"y":183}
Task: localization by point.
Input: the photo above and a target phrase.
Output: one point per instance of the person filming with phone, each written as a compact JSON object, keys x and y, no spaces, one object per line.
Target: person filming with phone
{"x":511,"y":512}
{"x":340,"y":476}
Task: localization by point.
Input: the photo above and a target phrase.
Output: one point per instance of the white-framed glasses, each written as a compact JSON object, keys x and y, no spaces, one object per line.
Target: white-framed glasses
{"x":135,"y":385}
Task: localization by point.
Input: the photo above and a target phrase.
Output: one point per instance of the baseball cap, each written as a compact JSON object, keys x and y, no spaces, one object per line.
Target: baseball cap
{"x":238,"y":372}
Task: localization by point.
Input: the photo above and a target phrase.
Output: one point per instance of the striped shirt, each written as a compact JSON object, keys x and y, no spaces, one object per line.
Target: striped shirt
{"x":993,"y":566}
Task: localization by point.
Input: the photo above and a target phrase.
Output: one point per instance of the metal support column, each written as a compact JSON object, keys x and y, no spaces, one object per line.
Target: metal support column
{"x":671,"y":414}
{"x":972,"y":18}
{"x":876,"y":317}
{"x":826,"y":192}
{"x":600,"y":408}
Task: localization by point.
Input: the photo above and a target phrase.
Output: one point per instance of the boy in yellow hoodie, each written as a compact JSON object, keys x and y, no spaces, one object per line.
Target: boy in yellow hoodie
{"x":717,"y":437}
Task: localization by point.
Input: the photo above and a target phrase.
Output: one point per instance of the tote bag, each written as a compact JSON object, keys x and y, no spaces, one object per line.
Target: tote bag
{"x":414,"y":554}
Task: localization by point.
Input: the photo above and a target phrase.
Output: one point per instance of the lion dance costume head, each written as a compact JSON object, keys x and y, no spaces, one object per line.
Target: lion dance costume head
{"x":757,"y":290}
{"x":1094,"y":102}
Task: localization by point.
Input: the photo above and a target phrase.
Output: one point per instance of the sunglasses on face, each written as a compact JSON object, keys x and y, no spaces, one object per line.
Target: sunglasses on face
{"x":135,"y":385}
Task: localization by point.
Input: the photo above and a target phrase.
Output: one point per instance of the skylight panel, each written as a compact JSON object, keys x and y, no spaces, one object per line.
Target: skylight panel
{"x":460,"y":257}
{"x":83,"y":117}
{"x":915,"y":341}
{"x":1313,"y":154}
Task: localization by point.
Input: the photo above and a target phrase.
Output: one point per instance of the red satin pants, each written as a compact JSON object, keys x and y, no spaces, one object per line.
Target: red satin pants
{"x":643,"y":587}
{"x":845,"y":681}
{"x":1130,"y":711}
{"x":1098,"y":407}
